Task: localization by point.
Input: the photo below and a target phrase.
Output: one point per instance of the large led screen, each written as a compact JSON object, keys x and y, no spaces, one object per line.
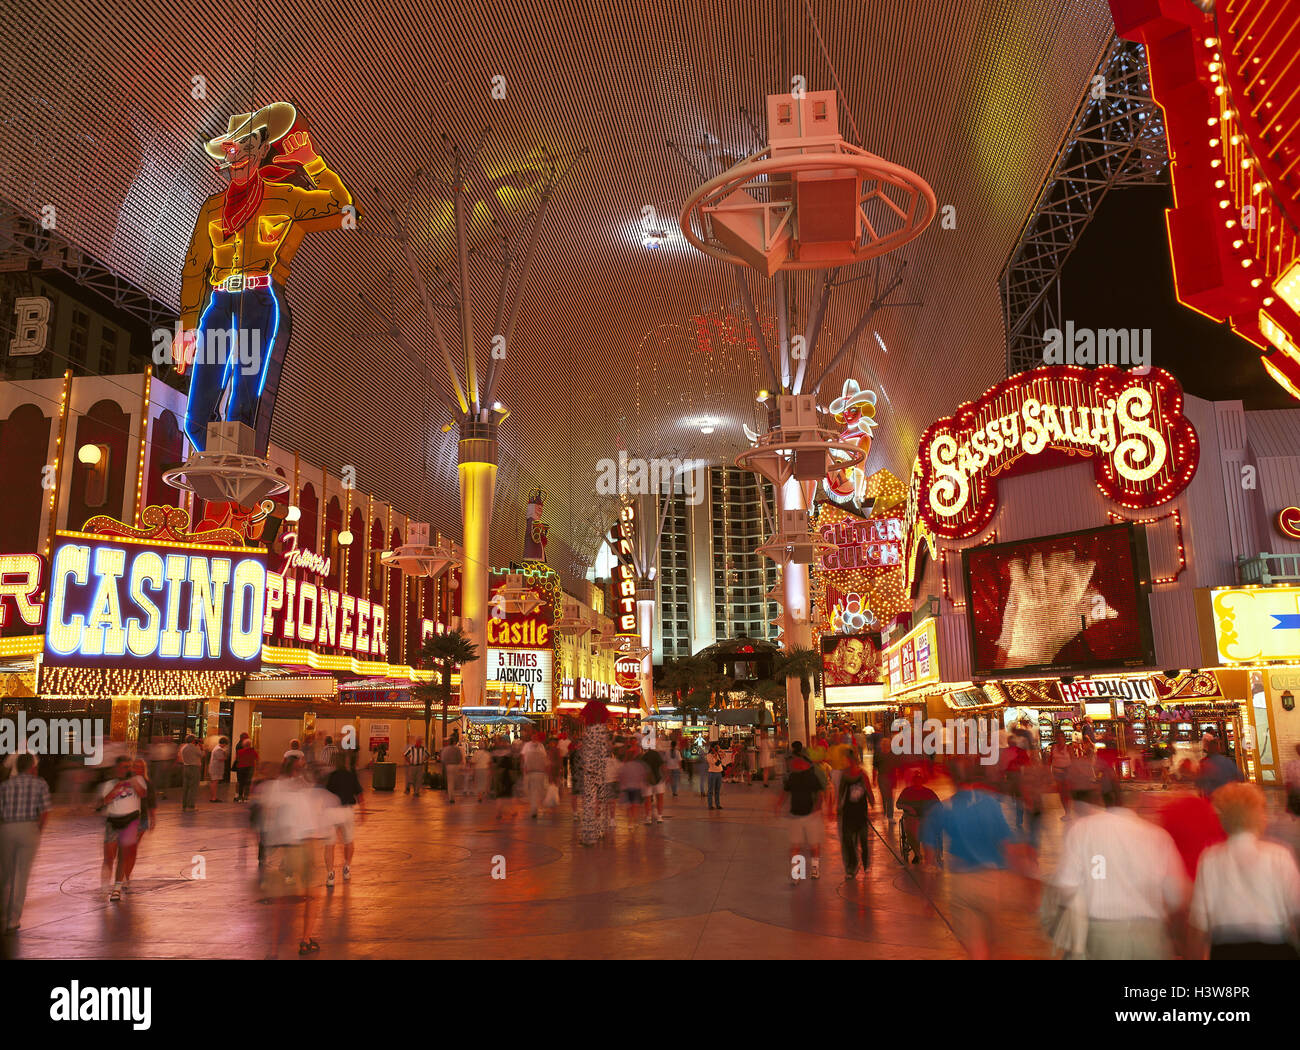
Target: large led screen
{"x":852,"y":659}
{"x":1074,"y":602}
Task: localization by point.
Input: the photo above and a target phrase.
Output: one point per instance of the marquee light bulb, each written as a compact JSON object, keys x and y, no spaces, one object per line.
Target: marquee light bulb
{"x":89,"y":455}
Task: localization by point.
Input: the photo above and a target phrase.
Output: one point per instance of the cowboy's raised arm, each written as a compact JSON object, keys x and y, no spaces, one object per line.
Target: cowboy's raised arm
{"x":330,"y":196}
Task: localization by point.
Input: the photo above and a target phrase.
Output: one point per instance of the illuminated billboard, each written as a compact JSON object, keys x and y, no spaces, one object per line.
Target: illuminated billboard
{"x":913,"y":660}
{"x":521,"y":645}
{"x":1256,"y":624}
{"x":155,"y":605}
{"x":1131,"y":427}
{"x":851,"y":670}
{"x":1073,"y":602}
{"x":850,"y":659}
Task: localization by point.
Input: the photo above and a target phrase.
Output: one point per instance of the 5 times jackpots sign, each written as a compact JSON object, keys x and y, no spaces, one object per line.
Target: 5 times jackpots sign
{"x":1143,"y":450}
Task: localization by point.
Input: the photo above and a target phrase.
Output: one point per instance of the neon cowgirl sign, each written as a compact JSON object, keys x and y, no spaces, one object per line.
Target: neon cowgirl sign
{"x":1144,"y":451}
{"x":154,"y":605}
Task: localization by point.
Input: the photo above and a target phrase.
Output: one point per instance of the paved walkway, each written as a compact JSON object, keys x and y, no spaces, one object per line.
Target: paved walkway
{"x":702,"y":885}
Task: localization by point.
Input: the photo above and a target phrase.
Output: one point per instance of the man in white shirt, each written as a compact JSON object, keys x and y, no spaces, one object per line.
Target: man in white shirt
{"x":1131,"y":878}
{"x":536,"y":764}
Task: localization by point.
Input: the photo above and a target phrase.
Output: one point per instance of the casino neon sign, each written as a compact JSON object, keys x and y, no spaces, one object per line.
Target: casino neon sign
{"x":1132,"y":427}
{"x":155,"y":605}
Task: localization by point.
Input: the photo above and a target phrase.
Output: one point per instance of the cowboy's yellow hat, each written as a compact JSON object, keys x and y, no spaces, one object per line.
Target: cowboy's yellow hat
{"x":277,"y":119}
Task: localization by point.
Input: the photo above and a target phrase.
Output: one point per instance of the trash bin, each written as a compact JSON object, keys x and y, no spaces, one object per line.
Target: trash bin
{"x":383,"y":776}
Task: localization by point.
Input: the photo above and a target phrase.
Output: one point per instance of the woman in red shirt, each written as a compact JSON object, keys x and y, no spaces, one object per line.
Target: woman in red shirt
{"x":245,"y":763}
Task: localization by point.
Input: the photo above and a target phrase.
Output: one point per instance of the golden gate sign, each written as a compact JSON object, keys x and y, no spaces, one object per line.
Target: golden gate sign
{"x":1144,"y":450}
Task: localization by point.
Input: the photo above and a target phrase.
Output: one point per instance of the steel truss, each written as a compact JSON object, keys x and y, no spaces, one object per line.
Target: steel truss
{"x":22,"y":239}
{"x":1117,"y":139}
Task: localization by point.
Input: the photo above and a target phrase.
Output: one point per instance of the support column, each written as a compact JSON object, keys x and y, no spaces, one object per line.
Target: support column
{"x":478,"y":476}
{"x":797,"y":624}
{"x":645,"y":620}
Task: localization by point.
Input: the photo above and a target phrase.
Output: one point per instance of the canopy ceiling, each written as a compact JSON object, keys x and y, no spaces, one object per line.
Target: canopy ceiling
{"x":101,"y":120}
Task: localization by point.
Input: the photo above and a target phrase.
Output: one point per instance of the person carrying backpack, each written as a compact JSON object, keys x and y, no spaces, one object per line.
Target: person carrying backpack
{"x":855,"y":797}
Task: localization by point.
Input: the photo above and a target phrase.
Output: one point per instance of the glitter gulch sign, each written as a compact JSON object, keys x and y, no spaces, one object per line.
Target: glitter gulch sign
{"x":1144,"y":450}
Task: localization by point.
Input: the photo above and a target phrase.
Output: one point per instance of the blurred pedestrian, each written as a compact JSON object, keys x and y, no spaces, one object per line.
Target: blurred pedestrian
{"x":453,"y":760}
{"x":1131,"y":879}
{"x":217,"y":768}
{"x":916,"y":801}
{"x":24,"y":811}
{"x":884,"y":768}
{"x":162,"y":757}
{"x":1060,"y":760}
{"x":1191,"y":821}
{"x":855,"y":827}
{"x":417,"y":764}
{"x":295,"y":820}
{"x":148,"y":811}
{"x":121,"y":798}
{"x":536,"y":765}
{"x":1217,"y":769}
{"x":802,"y":790}
{"x":656,"y":785}
{"x":295,"y":751}
{"x":191,"y":756}
{"x":716,"y":761}
{"x":673,"y":765}
{"x":344,"y":785}
{"x":633,"y":779}
{"x":245,"y":764}
{"x":972,"y":830}
{"x":1246,"y":900}
{"x":481,"y":761}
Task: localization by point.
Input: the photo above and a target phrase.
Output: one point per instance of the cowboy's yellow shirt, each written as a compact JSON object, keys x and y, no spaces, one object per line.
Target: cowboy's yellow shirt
{"x":266,"y":243}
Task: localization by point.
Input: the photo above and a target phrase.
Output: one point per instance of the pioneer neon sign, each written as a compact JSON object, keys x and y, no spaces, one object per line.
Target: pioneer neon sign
{"x":153,"y":605}
{"x":1144,"y":451}
{"x":311,"y":613}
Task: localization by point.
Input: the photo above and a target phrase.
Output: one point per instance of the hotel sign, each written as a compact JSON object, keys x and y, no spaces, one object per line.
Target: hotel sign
{"x":1143,"y":449}
{"x":1256,"y":624}
{"x":621,"y":534}
{"x":152,"y":604}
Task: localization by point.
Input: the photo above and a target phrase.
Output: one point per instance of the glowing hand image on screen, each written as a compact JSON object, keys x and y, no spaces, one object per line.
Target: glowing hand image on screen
{"x":1049,"y":604}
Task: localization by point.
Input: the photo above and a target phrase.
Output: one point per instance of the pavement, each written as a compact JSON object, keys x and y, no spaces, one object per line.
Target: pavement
{"x":432,"y":880}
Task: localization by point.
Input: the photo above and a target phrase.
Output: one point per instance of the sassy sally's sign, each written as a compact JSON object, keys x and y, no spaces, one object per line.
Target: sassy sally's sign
{"x":1132,"y":427}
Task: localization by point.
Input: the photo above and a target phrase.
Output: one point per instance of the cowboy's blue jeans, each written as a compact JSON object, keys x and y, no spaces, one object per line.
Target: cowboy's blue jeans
{"x":240,"y":345}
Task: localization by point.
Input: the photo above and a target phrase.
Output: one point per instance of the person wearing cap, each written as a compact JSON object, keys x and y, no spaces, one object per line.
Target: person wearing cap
{"x":232,"y":285}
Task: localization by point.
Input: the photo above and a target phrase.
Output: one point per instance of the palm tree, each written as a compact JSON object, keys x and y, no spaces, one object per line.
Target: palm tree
{"x":716,"y":685}
{"x":678,"y":676}
{"x":804,"y":664}
{"x":442,"y":652}
{"x":765,"y":690}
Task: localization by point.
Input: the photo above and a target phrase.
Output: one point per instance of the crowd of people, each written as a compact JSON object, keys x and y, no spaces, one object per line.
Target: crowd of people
{"x":1191,"y":871}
